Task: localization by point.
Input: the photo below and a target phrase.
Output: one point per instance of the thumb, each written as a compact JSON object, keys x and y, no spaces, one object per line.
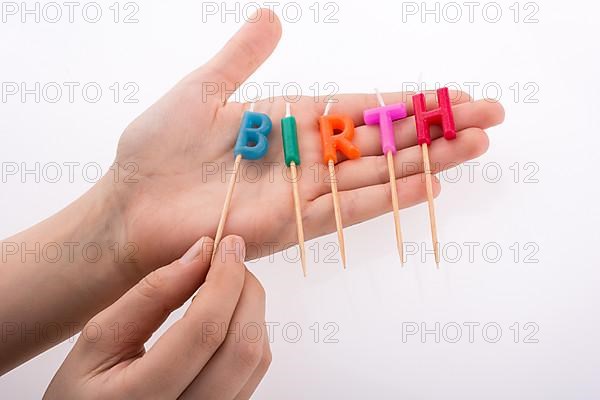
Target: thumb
{"x":247,"y":50}
{"x":124,"y":327}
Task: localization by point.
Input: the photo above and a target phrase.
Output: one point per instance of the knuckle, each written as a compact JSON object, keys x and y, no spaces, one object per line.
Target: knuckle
{"x":210,"y":336}
{"x":211,"y":341}
{"x":267,"y":359}
{"x":260,"y":290}
{"x":130,"y":389}
{"x":350,"y":207}
{"x":249,"y":353}
{"x":382,"y":170}
{"x":152,"y":284}
{"x":254,"y":285}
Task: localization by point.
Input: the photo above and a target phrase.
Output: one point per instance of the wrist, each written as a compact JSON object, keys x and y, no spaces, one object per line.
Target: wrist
{"x":108,"y":210}
{"x":75,"y":264}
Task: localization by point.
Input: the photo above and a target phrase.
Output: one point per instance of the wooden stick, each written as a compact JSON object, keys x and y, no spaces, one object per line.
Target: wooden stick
{"x":338,"y":213}
{"x":394,"y":190}
{"x":228,"y":196}
{"x":429,"y":186}
{"x":299,"y":226}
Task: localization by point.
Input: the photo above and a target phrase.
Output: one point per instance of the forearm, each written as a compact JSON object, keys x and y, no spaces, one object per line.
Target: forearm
{"x":60,"y":272}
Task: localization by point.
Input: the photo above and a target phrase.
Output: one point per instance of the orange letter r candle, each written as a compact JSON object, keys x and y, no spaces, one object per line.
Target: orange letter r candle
{"x":332,"y":142}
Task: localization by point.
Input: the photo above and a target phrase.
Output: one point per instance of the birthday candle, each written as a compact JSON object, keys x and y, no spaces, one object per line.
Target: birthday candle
{"x":292,"y":159}
{"x":384,"y":116}
{"x":443,"y":117}
{"x":251,"y":144}
{"x":331,"y":144}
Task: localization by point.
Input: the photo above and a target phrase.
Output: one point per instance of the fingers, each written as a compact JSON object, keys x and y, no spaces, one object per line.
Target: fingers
{"x":259,"y":372}
{"x":354,"y":105}
{"x":181,"y":353}
{"x":363,"y":204}
{"x":241,"y":354}
{"x":242,"y":54}
{"x":122,"y":329}
{"x":368,"y":171}
{"x":481,"y":114}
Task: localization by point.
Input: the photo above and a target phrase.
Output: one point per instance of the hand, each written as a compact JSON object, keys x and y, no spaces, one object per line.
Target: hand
{"x":196,"y":358}
{"x":189,"y":133}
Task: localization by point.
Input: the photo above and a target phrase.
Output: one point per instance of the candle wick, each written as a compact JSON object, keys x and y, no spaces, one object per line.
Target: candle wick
{"x":379,"y":98}
{"x":327,"y":107}
{"x":288,"y":112}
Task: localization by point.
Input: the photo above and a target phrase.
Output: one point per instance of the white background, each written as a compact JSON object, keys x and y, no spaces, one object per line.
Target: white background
{"x":374,"y":300}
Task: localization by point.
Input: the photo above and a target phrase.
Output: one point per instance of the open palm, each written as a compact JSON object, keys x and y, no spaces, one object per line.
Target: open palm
{"x":183,"y":149}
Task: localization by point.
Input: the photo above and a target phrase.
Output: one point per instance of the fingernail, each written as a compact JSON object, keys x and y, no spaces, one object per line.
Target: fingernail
{"x":233,"y":246}
{"x":193,"y":251}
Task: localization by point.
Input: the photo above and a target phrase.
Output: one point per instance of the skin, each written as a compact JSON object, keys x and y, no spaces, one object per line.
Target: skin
{"x":172,"y":200}
{"x":211,"y":364}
